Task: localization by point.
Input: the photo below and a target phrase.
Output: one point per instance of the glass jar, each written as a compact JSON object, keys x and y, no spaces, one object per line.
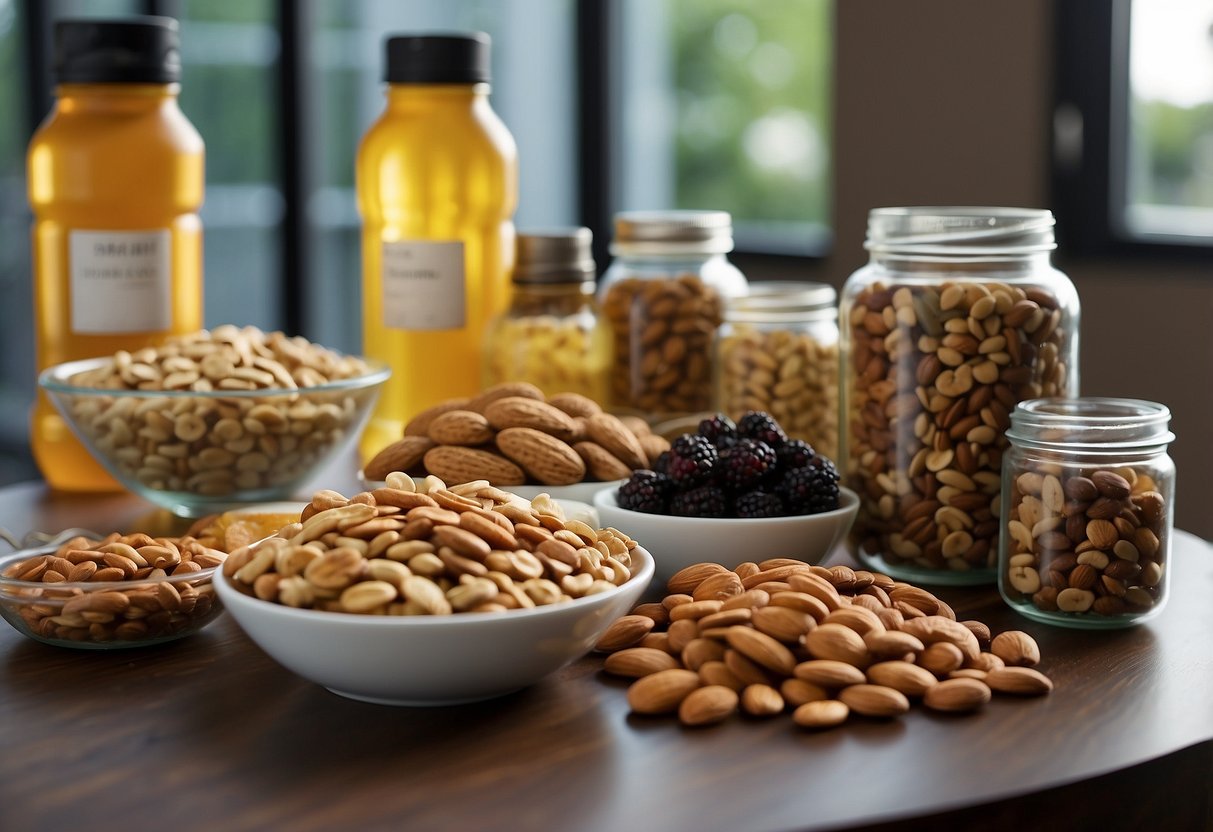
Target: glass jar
{"x":552,"y":335}
{"x":778,"y":352}
{"x":664,"y":297}
{"x":1087,"y":505}
{"x":956,"y":318}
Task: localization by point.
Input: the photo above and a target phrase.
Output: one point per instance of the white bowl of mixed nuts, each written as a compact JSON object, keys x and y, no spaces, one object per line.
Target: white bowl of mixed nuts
{"x":457,"y":594}
{"x":217,"y":418}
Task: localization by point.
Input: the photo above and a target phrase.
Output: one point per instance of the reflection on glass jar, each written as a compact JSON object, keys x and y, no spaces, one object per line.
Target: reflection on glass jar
{"x":1087,"y":499}
{"x":778,"y":352}
{"x":957,"y":317}
{"x":664,"y":298}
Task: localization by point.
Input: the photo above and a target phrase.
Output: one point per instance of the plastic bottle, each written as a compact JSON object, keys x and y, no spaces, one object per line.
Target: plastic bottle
{"x":115,"y":183}
{"x":437,"y":185}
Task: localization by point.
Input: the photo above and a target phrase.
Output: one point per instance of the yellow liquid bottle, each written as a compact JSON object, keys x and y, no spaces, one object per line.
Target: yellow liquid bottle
{"x":437,"y":179}
{"x":115,"y":183}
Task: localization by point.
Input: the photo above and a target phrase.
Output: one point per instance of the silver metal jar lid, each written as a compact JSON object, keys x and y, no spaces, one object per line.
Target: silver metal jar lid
{"x":960,"y":231}
{"x":784,"y":301}
{"x":673,"y":232}
{"x":557,"y":256}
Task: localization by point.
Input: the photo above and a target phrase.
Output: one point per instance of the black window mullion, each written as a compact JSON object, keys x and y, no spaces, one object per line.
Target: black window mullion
{"x":595,"y":123}
{"x":36,"y":19}
{"x":294,"y":28}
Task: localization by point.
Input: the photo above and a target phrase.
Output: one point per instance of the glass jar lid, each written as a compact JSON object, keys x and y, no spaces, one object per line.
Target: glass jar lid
{"x":558,"y":256}
{"x":1090,"y":424}
{"x":779,"y":301}
{"x":672,"y":232}
{"x":959,"y":231}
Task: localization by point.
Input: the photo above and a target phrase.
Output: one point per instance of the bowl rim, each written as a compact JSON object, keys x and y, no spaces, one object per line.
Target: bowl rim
{"x":223,"y":588}
{"x":848,"y":502}
{"x":54,"y":380}
{"x":8,"y":585}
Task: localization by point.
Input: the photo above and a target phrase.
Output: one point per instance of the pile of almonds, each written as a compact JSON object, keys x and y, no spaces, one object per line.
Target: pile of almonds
{"x":511,"y":434}
{"x":431,"y":550}
{"x":143,"y":589}
{"x":826,"y":643}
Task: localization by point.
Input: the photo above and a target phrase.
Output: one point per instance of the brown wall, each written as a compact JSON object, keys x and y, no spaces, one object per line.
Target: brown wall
{"x":949,"y":102}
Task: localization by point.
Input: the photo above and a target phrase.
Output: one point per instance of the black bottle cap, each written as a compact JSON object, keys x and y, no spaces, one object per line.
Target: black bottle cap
{"x":438,"y":59}
{"x":128,"y":50}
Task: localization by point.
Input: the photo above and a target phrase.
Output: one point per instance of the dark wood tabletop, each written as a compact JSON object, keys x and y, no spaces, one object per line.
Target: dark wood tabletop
{"x":209,"y":733}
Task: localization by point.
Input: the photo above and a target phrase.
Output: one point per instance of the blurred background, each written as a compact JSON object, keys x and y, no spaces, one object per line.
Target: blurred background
{"x":798,"y":116}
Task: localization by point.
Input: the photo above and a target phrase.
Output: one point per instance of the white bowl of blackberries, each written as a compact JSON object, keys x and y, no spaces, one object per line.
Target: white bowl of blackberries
{"x":733,"y":492}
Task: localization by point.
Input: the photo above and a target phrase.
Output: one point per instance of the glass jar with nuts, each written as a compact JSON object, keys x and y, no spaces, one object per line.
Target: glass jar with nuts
{"x":664,"y":297}
{"x":778,"y":352}
{"x":956,"y":318}
{"x":1086,"y":511}
{"x":552,"y":335}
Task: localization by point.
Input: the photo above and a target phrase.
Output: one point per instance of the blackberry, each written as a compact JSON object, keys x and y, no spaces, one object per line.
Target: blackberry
{"x":757,"y":424}
{"x":720,"y":430}
{"x":795,"y":453}
{"x":646,"y":491}
{"x":812,"y":489}
{"x":759,"y":504}
{"x":705,"y":501}
{"x":662,"y":463}
{"x":692,"y":460}
{"x":746,"y":464}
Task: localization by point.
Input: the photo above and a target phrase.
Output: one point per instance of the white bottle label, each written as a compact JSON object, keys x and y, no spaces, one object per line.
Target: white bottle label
{"x":423,"y":285}
{"x":121,"y":281}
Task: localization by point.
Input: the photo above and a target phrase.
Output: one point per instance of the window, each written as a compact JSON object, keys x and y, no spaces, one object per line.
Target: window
{"x":1133,"y":126}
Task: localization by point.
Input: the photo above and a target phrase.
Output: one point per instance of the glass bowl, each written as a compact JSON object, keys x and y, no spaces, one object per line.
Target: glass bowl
{"x":102,"y":615}
{"x":197,"y":453}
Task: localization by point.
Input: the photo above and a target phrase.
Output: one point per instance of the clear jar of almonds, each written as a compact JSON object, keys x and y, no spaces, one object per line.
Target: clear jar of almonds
{"x":664,"y":297}
{"x":778,"y":352}
{"x":957,"y":317}
{"x":552,"y":335}
{"x":1087,"y":506}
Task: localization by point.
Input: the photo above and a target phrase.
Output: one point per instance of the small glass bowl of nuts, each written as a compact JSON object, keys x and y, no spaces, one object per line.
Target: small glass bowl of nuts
{"x":120,"y":591}
{"x":216,"y":418}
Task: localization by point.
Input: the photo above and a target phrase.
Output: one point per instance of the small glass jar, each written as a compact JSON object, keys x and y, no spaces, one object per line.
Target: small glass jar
{"x":956,"y":318}
{"x":664,"y":296}
{"x":1087,"y":505}
{"x":778,"y":352}
{"x":552,"y":335}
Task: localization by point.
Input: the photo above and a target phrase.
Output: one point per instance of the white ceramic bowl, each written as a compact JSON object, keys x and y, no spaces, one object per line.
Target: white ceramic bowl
{"x":581,"y":492}
{"x":676,"y":542}
{"x":431,"y":660}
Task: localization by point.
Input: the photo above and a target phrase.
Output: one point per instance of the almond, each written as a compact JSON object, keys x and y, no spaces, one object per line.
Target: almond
{"x":718,"y":673}
{"x":653,"y":446}
{"x":419,"y":425}
{"x":521,"y":412}
{"x":718,"y":587}
{"x":826,"y":713}
{"x":1102,"y":533}
{"x":932,"y":628}
{"x":891,"y":644}
{"x":623,"y":632}
{"x":700,"y":651}
{"x":601,"y":463}
{"x":544,"y":457}
{"x":834,"y":641}
{"x":655,"y":611}
{"x":501,"y":391}
{"x":782,"y":623}
{"x":857,"y":618}
{"x":910,"y":679}
{"x":695,"y":609}
{"x":1020,"y":681}
{"x":1111,"y":485}
{"x":761,"y":649}
{"x":957,"y":695}
{"x":1016,"y":648}
{"x":611,"y":434}
{"x":635,"y":662}
{"x":402,"y":455}
{"x":942,"y":657}
{"x":829,"y":673}
{"x":979,"y":630}
{"x":456,"y":464}
{"x":707,"y":705}
{"x":761,"y":700}
{"x":686,"y":579}
{"x":915,"y":597}
{"x":575,"y":404}
{"x":460,"y":427}
{"x":747,"y":671}
{"x":726,"y":617}
{"x":874,"y":700}
{"x":800,"y":601}
{"x":661,"y":692}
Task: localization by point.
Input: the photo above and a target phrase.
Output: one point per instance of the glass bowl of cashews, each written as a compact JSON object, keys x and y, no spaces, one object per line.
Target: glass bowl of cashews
{"x":424,"y":594}
{"x":216,"y":418}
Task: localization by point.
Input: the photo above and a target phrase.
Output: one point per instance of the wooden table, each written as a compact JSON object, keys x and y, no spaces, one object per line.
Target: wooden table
{"x":209,"y":733}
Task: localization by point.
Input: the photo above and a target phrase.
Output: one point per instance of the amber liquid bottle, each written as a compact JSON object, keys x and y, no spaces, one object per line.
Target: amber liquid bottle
{"x":115,"y":183}
{"x":437,"y":179}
